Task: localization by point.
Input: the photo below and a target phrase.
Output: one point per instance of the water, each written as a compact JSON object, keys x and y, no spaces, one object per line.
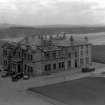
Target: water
{"x":95,"y":38}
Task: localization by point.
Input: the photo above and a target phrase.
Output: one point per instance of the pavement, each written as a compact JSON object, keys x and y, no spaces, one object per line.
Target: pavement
{"x":15,"y":93}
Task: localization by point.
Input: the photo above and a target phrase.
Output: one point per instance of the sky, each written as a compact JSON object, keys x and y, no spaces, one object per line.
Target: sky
{"x":52,"y":12}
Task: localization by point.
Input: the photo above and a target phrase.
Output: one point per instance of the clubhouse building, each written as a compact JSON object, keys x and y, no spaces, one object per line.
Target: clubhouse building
{"x":38,"y":55}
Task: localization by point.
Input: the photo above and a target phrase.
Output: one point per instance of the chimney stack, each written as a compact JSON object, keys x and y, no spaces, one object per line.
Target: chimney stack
{"x":86,"y":38}
{"x":71,"y":39}
{"x":64,"y":35}
{"x":26,"y":40}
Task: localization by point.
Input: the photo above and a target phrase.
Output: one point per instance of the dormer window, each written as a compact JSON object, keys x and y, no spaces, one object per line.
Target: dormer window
{"x":5,"y":52}
{"x":54,"y":54}
{"x":29,"y":57}
{"x":69,"y":55}
{"x":24,"y":55}
{"x":47,"y":54}
{"x":19,"y":54}
{"x":87,"y":50}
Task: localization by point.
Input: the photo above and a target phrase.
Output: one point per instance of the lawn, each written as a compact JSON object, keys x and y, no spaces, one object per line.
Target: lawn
{"x":86,"y":91}
{"x":98,"y":53}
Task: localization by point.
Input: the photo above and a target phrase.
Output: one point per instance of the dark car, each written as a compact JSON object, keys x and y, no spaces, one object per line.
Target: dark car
{"x":88,"y":69}
{"x":14,"y":78}
{"x":48,"y":73}
{"x":19,"y":75}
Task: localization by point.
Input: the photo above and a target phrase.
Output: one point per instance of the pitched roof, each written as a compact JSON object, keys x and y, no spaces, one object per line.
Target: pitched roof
{"x":46,"y":44}
{"x":49,"y":48}
{"x":16,"y":40}
{"x":67,"y":43}
{"x":9,"y":45}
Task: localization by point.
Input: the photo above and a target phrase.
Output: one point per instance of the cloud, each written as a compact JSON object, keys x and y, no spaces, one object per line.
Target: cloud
{"x":33,"y":12}
{"x":74,"y":12}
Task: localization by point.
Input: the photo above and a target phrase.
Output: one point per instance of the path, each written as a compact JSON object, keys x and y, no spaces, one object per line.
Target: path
{"x":14,"y":93}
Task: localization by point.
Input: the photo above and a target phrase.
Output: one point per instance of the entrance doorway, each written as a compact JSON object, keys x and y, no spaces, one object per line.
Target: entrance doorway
{"x":19,"y":68}
{"x":76,"y":65}
{"x":47,"y":68}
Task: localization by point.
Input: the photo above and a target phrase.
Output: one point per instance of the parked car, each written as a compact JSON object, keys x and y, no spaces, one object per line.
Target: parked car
{"x":48,"y":73}
{"x":19,"y":75}
{"x":4,"y":74}
{"x":26,"y":77}
{"x":87,"y":69}
{"x":14,"y":78}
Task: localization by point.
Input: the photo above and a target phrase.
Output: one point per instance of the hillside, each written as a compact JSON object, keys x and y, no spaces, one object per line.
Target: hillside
{"x":18,"y":31}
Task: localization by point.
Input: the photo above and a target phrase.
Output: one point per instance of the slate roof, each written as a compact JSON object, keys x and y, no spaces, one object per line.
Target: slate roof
{"x":50,"y":48}
{"x":9,"y":45}
{"x":16,"y":40}
{"x":36,"y":42}
{"x":67,"y":43}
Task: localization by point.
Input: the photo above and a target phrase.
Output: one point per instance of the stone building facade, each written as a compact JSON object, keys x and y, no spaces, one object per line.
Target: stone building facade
{"x":37,"y":55}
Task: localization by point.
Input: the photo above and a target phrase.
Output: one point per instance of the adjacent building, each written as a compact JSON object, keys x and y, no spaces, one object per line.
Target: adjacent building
{"x":38,"y":55}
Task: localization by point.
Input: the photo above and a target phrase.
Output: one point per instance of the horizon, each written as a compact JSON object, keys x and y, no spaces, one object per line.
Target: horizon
{"x":52,"y":25}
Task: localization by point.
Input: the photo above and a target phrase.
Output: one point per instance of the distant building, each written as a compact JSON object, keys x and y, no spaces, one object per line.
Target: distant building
{"x":37,"y":55}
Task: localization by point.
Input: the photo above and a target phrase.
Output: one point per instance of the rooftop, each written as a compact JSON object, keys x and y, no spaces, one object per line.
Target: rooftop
{"x":50,"y":48}
{"x":47,"y":42}
{"x":67,"y":43}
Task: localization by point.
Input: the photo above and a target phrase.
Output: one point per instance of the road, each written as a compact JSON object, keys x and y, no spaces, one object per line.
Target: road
{"x":14,"y":93}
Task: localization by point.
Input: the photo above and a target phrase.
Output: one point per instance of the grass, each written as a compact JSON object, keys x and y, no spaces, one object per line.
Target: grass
{"x":98,"y":53}
{"x":86,"y":91}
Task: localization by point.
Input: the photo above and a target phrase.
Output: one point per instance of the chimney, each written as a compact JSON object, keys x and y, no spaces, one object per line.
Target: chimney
{"x":86,"y":38}
{"x":51,"y":37}
{"x":26,"y":40}
{"x":64,"y":35}
{"x":57,"y":35}
{"x":71,"y":39}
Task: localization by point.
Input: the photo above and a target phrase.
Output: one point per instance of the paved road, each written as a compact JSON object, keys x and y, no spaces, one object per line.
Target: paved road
{"x":14,"y":93}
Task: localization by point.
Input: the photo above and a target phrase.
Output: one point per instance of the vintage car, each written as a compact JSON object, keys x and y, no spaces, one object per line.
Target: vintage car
{"x":19,"y":75}
{"x":14,"y":77}
{"x":88,"y":69}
